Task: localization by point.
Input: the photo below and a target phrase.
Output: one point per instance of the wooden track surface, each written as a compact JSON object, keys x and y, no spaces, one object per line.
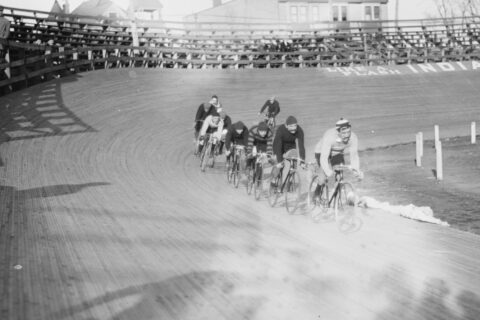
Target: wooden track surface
{"x":106,"y":211}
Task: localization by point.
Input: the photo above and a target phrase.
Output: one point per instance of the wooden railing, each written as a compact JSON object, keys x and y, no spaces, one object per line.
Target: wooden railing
{"x":44,"y":45}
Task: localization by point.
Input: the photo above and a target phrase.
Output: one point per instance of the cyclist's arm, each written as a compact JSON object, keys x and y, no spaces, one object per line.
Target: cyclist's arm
{"x":277,"y":109}
{"x":205,"y":126}
{"x":354,"y":158}
{"x":251,"y":140}
{"x":228,"y":139}
{"x":277,"y":146}
{"x":245,"y":137}
{"x":198,"y":116}
{"x":301,"y":144}
{"x":264,"y":107}
{"x":220,"y":128}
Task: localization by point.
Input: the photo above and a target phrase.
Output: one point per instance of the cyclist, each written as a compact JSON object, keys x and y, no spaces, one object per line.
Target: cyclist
{"x":238,"y":135}
{"x":227,"y":123}
{"x":259,"y":141}
{"x":285,"y":143}
{"x":203,"y":111}
{"x":330,"y":150}
{"x":271,"y":107}
{"x":213,"y":124}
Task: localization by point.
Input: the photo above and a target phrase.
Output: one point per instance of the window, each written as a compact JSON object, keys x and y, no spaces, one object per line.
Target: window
{"x":293,"y":14}
{"x":376,"y":12}
{"x":344,"y":13}
{"x":315,"y":13}
{"x":368,"y":12}
{"x":335,"y":13}
{"x":339,"y":13}
{"x":302,"y":14}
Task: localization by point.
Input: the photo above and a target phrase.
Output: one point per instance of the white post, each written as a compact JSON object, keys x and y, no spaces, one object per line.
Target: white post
{"x":420,"y":135}
{"x":474,"y":132}
{"x":437,"y":136}
{"x":439,"y":161}
{"x":418,"y":155}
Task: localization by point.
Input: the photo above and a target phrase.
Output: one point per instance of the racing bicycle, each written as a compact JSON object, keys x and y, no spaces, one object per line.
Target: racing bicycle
{"x":290,"y":187}
{"x":255,"y":178}
{"x":233,"y":165}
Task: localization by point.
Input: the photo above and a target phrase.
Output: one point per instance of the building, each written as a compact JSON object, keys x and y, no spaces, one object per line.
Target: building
{"x":103,"y":8}
{"x":146,"y":9}
{"x":292,"y":11}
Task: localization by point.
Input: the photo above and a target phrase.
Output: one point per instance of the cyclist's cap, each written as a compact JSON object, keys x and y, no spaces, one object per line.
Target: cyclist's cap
{"x":238,"y":125}
{"x":214,"y":96}
{"x":291,"y":120}
{"x":262,"y":126}
{"x":342,"y":123}
{"x":215,"y":113}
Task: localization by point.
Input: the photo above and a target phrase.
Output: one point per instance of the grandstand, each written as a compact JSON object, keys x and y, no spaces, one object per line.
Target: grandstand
{"x":45,"y":44}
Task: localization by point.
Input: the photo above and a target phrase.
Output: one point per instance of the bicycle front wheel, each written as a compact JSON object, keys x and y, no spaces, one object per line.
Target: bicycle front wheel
{"x":273,"y":191}
{"x":203,"y":159}
{"x":258,"y":183}
{"x":250,"y":180}
{"x":236,"y":174}
{"x":292,"y":192}
{"x":344,"y":198}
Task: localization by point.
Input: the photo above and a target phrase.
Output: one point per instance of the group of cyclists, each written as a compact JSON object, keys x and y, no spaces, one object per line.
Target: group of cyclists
{"x":283,"y":143}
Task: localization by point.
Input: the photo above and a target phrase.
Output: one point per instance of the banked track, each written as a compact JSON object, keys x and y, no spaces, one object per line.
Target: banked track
{"x":105,"y":214}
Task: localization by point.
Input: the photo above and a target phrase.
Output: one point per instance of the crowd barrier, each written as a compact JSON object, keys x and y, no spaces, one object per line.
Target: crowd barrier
{"x":43,"y":45}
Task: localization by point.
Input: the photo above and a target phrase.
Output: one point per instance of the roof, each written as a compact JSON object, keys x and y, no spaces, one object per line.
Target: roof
{"x":145,"y":4}
{"x":96,"y":7}
{"x":56,"y":8}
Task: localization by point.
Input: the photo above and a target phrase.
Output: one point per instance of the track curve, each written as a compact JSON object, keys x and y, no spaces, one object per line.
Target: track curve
{"x":107,"y":212}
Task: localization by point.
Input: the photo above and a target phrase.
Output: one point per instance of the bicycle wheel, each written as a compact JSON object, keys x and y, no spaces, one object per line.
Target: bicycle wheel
{"x":228,"y":170}
{"x":212,"y":156}
{"x":273,"y":191}
{"x":344,"y":198}
{"x":258,"y":183}
{"x":292,"y":192}
{"x":250,"y":180}
{"x":319,"y":200}
{"x":236,"y":174}
{"x":205,"y":157}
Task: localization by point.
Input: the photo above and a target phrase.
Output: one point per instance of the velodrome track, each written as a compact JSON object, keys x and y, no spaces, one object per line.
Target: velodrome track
{"x":106,"y":211}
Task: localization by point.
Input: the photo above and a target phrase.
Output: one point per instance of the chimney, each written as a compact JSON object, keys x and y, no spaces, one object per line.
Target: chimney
{"x":216,"y":3}
{"x":66,"y":7}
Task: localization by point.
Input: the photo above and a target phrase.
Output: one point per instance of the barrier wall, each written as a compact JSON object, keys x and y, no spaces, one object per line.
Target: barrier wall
{"x":43,"y":45}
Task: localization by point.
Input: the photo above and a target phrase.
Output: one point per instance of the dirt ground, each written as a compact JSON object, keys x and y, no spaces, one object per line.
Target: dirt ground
{"x":455,"y":199}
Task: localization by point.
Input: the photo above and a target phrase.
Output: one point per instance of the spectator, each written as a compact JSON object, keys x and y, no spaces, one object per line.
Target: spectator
{"x":4,"y":31}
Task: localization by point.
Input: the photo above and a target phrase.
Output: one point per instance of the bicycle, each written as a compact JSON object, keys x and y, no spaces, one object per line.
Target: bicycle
{"x":208,"y":153}
{"x":233,"y":168}
{"x":290,"y":187}
{"x":343,"y":194}
{"x":270,"y":121}
{"x":255,"y":175}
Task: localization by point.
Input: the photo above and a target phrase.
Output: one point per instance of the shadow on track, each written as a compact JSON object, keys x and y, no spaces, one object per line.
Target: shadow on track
{"x":39,"y":112}
{"x":206,"y":294}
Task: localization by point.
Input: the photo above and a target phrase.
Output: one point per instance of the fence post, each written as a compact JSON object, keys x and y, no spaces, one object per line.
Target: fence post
{"x":437,"y":135}
{"x":418,"y":149}
{"x":439,"y":161}
{"x":473,"y":130}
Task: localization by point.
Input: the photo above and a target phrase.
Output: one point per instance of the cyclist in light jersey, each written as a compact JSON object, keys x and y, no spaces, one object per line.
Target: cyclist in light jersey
{"x":213,"y":124}
{"x":330,"y":151}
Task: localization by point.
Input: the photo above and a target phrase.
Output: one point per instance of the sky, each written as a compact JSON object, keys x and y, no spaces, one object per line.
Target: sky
{"x":176,"y":9}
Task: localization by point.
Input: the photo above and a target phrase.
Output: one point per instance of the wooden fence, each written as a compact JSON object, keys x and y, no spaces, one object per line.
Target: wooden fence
{"x":43,"y":45}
